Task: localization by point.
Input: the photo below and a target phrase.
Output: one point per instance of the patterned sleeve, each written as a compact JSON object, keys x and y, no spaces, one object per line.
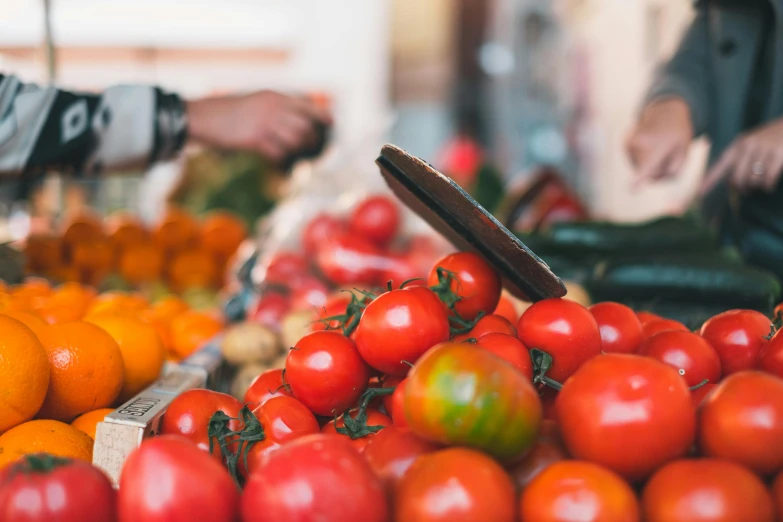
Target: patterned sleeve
{"x":125,"y":126}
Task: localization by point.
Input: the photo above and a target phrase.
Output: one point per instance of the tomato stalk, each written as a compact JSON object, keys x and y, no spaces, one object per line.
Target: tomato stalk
{"x":348,"y":321}
{"x":443,"y":288}
{"x":463,"y":326}
{"x":356,"y":427}
{"x":249,"y":434}
{"x":777,"y":324}
{"x":697,"y":386}
{"x":542,"y":362}
{"x":41,"y":463}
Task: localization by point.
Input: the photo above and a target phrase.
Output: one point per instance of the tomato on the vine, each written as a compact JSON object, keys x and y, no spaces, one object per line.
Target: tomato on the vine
{"x":391,"y":452}
{"x":44,"y":488}
{"x":377,"y":219}
{"x":510,"y":349}
{"x":506,"y":308}
{"x":690,"y":354}
{"x":285,"y":266}
{"x":336,"y":305}
{"x":326,"y":372}
{"x":487,"y":325}
{"x":565,"y":330}
{"x":699,"y":394}
{"x":771,"y":356}
{"x":742,"y":421}
{"x":399,"y":326}
{"x":657,"y":326}
{"x":374,"y":418}
{"x":346,"y":259}
{"x":737,"y":336}
{"x":319,"y":230}
{"x":307,"y":292}
{"x":646,"y":317}
{"x":472,"y":279}
{"x":617,"y":398}
{"x":189,"y":414}
{"x":481,"y":489}
{"x":267,"y":385}
{"x":270,"y":310}
{"x":621,"y":330}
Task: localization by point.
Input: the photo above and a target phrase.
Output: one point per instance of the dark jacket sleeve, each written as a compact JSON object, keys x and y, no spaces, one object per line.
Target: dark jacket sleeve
{"x":687,"y":74}
{"x":125,"y":126}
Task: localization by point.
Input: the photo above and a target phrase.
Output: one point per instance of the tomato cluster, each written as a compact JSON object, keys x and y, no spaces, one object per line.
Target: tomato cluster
{"x":439,"y":403}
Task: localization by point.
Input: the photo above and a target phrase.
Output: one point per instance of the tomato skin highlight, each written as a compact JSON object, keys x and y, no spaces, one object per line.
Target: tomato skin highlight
{"x":392,"y":451}
{"x":455,"y":485}
{"x":267,"y":385}
{"x":690,"y":354}
{"x":346,"y":259}
{"x":510,"y":349}
{"x":399,"y":326}
{"x":326,"y":372}
{"x":374,"y":418}
{"x":72,"y":491}
{"x":621,"y":330}
{"x":737,"y":337}
{"x":742,"y":421}
{"x":315,"y":478}
{"x":573,"y":490}
{"x":618,"y":398}
{"x":477,"y":283}
{"x":565,"y":330}
{"x":377,"y":219}
{"x":771,"y":356}
{"x":168,"y":479}
{"x":463,"y":395}
{"x":706,"y":490}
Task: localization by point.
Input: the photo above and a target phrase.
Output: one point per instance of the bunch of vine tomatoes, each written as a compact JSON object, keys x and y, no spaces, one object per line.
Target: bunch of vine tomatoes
{"x":433,"y":401}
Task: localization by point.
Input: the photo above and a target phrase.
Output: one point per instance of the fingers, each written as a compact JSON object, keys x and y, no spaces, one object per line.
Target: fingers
{"x":307,"y":108}
{"x":774,"y":170}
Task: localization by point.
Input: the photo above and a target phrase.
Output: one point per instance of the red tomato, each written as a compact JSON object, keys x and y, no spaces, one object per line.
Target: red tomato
{"x":167,"y":479}
{"x":315,"y":478}
{"x":267,"y":385}
{"x":399,"y":326}
{"x":307,"y":292}
{"x":270,"y":310}
{"x":699,"y":394}
{"x":477,"y":284}
{"x":374,"y":418}
{"x":651,"y":328}
{"x":573,"y":490}
{"x":349,"y":259}
{"x":617,"y":398}
{"x":189,"y":414}
{"x":509,"y":348}
{"x":44,"y":488}
{"x":544,"y":454}
{"x":742,"y":420}
{"x":284,"y":419}
{"x":737,"y":336}
{"x":771,"y":356}
{"x":777,"y":491}
{"x":394,"y":404}
{"x":687,"y":352}
{"x":455,"y":485}
{"x":621,"y":330}
{"x":326,"y":373}
{"x":706,"y":490}
{"x":285,"y":266}
{"x":392,"y":451}
{"x":565,"y":330}
{"x":389,"y":381}
{"x":506,"y":308}
{"x":646,"y":317}
{"x":487,"y":325}
{"x":319,"y":230}
{"x":377,"y":219}
{"x":335,"y":305}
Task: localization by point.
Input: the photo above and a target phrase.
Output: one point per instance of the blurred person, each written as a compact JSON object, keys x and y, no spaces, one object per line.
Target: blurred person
{"x":725,"y":82}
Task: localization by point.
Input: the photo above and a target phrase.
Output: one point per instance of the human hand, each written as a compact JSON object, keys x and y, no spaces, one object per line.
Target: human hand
{"x":658,"y":146}
{"x":273,"y":124}
{"x":752,"y":161}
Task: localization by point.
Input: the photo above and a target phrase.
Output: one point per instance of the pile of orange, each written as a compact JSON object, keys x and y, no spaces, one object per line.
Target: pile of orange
{"x":180,"y":250}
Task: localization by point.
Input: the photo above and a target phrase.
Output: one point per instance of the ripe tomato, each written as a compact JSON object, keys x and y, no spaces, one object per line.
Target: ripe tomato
{"x":167,"y":479}
{"x":617,"y":398}
{"x":42,"y":487}
{"x":455,"y":485}
{"x":326,"y":373}
{"x":377,"y":219}
{"x":399,"y":326}
{"x":510,"y":349}
{"x":394,"y":404}
{"x":463,"y":395}
{"x":317,"y":477}
{"x":270,"y":310}
{"x":646,"y":317}
{"x":565,"y":330}
{"x":388,"y":381}
{"x":737,"y":336}
{"x":777,"y":491}
{"x":573,"y":490}
{"x":699,"y":394}
{"x":346,"y":259}
{"x":285,"y":266}
{"x":307,"y":292}
{"x":267,"y":385}
{"x":284,"y":419}
{"x":401,"y":267}
{"x":335,"y":305}
{"x":705,"y":489}
{"x":392,"y":451}
{"x":319,"y":230}
{"x":188,"y":416}
{"x":544,"y":454}
{"x":487,"y":325}
{"x":506,"y":308}
{"x":691,"y":355}
{"x":374,"y":418}
{"x":621,"y":330}
{"x":477,"y":284}
{"x":662,"y":325}
{"x":742,"y":420}
{"x":771,"y":356}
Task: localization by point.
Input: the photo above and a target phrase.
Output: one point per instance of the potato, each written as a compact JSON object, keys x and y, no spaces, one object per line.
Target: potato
{"x":294,"y":326}
{"x":249,"y":342}
{"x":245,"y":377}
{"x":577,"y":293}
{"x":279,"y":362}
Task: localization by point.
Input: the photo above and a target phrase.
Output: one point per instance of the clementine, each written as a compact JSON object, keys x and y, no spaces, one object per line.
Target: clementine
{"x":42,"y":253}
{"x":222,"y":233}
{"x":176,"y":230}
{"x":125,"y":229}
{"x":88,"y":422}
{"x":190,"y":330}
{"x":141,"y":263}
{"x":30,"y":319}
{"x":194,"y":268}
{"x":44,"y":436}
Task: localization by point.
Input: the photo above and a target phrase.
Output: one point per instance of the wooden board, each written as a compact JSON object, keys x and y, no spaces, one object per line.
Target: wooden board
{"x":456,"y":215}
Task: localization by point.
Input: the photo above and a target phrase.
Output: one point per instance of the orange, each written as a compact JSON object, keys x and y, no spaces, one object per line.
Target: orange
{"x":176,"y":230}
{"x":89,"y":421}
{"x":125,"y":229}
{"x":143,"y":353}
{"x":68,"y":302}
{"x":65,"y":274}
{"x":28,"y":318}
{"x":30,"y":293}
{"x":42,"y":253}
{"x":141,"y":263}
{"x":93,"y":257}
{"x":83,"y":227}
{"x":190,"y":330}
{"x":3,"y":287}
{"x":222,"y":233}
{"x":193,"y":269}
{"x":24,"y":373}
{"x":116,"y":303}
{"x":160,"y":315}
{"x":86,"y":370}
{"x":44,"y":436}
